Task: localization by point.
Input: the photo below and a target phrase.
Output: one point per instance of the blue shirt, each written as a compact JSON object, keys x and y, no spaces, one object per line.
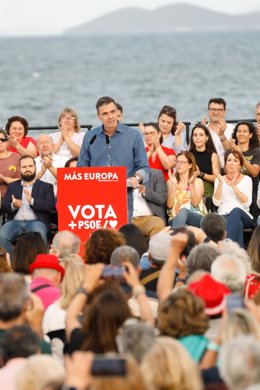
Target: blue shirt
{"x":124,"y":148}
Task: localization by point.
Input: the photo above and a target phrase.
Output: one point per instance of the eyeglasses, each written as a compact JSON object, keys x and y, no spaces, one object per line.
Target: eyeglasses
{"x":216,"y":109}
{"x":69,"y":118}
{"x":149,"y":133}
{"x":3,"y":139}
{"x":178,"y":162}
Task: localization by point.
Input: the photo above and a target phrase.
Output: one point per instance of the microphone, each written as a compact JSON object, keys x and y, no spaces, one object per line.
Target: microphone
{"x":92,"y":140}
{"x":107,"y":139}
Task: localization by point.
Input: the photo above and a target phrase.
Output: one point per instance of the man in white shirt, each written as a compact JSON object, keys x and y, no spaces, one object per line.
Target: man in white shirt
{"x":221,"y":132}
{"x":149,"y":213}
{"x":47,"y":162}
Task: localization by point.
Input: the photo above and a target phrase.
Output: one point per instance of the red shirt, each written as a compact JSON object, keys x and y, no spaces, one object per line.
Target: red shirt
{"x":25,"y":142}
{"x":156,"y":164}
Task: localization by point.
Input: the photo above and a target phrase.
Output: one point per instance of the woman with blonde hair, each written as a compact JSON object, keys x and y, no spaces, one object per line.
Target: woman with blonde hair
{"x":54,"y":317}
{"x":68,"y":140}
{"x":240,"y":322}
{"x":185,"y":193}
{"x":168,"y":366}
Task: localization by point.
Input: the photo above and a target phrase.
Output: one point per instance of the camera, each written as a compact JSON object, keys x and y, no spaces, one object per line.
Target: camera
{"x":108,"y":366}
{"x":113,"y":272}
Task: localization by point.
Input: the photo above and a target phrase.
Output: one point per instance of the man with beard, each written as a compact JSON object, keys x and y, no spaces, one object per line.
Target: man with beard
{"x":28,"y":203}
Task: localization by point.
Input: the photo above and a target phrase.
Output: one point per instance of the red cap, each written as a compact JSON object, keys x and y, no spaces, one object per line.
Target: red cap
{"x":47,"y":261}
{"x":212,"y":292}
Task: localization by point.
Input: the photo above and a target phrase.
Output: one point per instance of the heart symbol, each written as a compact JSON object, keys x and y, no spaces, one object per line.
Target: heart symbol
{"x":113,"y":223}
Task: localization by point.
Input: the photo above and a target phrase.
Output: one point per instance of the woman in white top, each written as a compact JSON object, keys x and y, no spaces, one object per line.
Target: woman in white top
{"x":173,"y":132}
{"x":68,"y":141}
{"x":233,"y":196}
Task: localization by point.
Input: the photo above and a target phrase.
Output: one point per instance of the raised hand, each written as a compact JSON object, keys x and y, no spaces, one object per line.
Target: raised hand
{"x":180,"y":128}
{"x":172,"y":177}
{"x":17,"y":203}
{"x":28,"y":195}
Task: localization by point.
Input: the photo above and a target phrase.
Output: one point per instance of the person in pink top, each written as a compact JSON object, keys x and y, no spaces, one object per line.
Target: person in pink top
{"x":47,"y":274}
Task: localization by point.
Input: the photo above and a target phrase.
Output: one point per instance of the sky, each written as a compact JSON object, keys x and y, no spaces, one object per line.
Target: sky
{"x":52,"y":17}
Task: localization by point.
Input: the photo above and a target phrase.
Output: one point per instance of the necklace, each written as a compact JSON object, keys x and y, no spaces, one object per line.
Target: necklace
{"x":230,"y":179}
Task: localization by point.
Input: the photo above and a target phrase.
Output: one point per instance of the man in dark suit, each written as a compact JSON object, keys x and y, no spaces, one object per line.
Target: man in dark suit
{"x":149,"y":204}
{"x":28,"y":203}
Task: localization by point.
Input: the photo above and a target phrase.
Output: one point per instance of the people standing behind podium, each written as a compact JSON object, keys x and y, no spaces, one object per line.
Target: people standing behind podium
{"x":207,"y":161}
{"x":233,"y":197}
{"x":185,"y":193}
{"x":68,"y":141}
{"x":9,"y":165}
{"x":173,"y":132}
{"x":18,"y":141}
{"x":244,"y":139}
{"x":150,"y":204}
{"x":220,"y":131}
{"x":114,"y":144}
{"x":159,"y":157}
{"x":47,"y":162}
{"x":28,"y":203}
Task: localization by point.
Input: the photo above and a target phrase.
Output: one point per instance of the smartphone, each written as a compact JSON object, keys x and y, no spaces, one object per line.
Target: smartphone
{"x":108,"y":366}
{"x":113,"y":272}
{"x":234,"y":301}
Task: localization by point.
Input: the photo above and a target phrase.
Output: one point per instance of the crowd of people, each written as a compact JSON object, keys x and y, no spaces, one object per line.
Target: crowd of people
{"x":171,"y":300}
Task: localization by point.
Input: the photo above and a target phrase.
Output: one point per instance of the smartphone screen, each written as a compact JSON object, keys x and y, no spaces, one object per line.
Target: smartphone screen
{"x":103,"y":366}
{"x":234,"y":301}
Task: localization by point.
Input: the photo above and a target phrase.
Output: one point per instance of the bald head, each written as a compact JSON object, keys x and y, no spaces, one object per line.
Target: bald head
{"x":44,"y":145}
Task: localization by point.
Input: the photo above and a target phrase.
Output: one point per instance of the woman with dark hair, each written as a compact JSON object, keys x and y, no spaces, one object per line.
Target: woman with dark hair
{"x":159,"y":157}
{"x":9,"y":165}
{"x":245,"y":140}
{"x":71,"y":163}
{"x":27,"y":247}
{"x":203,"y":149}
{"x":68,"y":141}
{"x":173,"y":132}
{"x":134,"y":238}
{"x":233,"y":196}
{"x":105,"y":308}
{"x":101,"y":244}
{"x":185,"y":193}
{"x":18,"y":141}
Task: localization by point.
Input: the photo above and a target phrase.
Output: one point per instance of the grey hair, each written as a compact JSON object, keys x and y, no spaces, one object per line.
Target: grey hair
{"x":66,"y":243}
{"x":240,"y":362}
{"x":231,"y":271}
{"x":135,"y":338}
{"x":201,"y":257}
{"x":232,"y":248}
{"x":125,"y":253}
{"x":14,"y":292}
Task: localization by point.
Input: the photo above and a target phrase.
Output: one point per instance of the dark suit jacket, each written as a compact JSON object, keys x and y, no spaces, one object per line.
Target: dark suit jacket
{"x":43,"y":196}
{"x":156,"y":193}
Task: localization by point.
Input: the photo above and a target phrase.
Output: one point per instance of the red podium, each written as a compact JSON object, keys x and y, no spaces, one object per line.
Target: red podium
{"x":91,"y":198}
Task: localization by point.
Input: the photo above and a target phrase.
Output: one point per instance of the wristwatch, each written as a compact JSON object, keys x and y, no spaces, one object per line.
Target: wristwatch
{"x":182,"y":280}
{"x":82,"y":290}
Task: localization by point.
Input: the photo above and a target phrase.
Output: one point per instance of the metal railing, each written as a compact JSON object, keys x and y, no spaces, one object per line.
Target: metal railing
{"x":89,"y":127}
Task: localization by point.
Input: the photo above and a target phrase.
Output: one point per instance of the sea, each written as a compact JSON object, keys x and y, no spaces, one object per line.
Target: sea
{"x":39,"y":76}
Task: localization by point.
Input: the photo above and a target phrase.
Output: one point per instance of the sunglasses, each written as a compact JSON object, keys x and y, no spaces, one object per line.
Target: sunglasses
{"x":3,"y":139}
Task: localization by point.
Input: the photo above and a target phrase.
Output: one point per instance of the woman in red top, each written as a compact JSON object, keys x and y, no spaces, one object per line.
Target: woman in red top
{"x":17,"y":129}
{"x":159,"y":157}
